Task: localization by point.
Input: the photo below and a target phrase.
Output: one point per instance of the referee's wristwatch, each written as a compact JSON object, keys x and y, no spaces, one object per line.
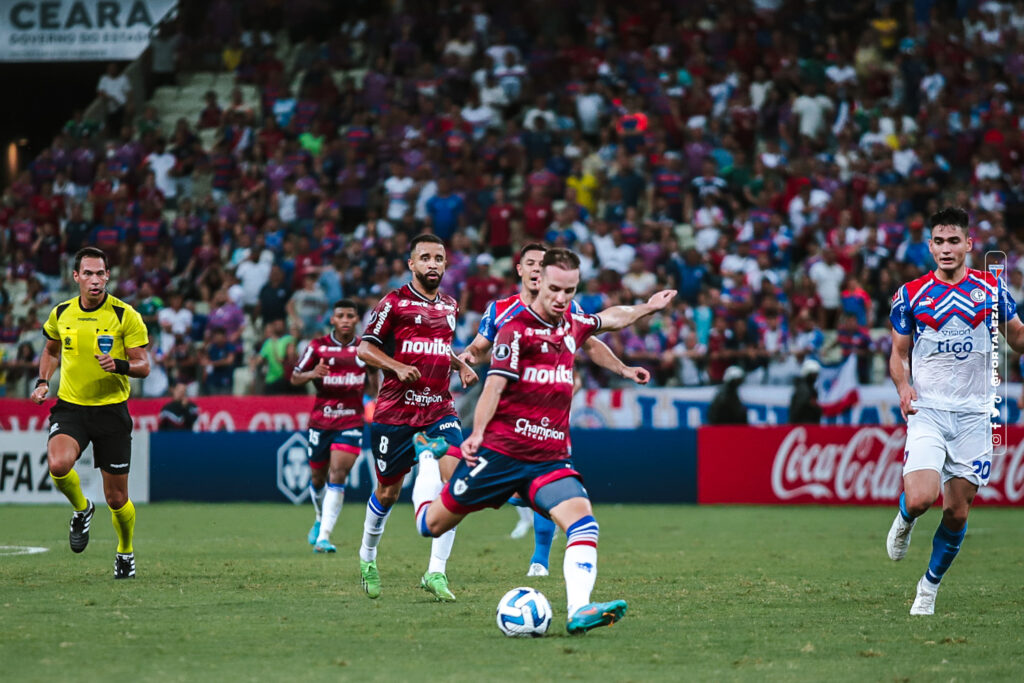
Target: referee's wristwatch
{"x":41,"y":381}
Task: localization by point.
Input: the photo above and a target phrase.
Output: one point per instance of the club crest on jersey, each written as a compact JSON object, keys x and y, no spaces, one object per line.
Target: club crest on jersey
{"x":977,"y":295}
{"x":570,"y":343}
{"x":502,"y":351}
{"x":451,"y":320}
{"x":460,"y":487}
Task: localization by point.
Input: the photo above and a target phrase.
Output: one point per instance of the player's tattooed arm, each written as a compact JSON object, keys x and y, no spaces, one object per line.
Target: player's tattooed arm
{"x":899,"y":370}
{"x":620,"y":317}
{"x":373,"y":355}
{"x":486,"y":406}
{"x":601,"y":353}
{"x":466,"y":373}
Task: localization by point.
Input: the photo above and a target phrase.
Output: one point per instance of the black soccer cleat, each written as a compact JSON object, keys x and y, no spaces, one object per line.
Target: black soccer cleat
{"x":124,"y":566}
{"x":78,"y":536}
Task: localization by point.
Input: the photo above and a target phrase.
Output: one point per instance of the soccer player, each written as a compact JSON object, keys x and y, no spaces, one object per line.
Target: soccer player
{"x":99,"y":342}
{"x":945,"y":316}
{"x":336,"y":423}
{"x":520,"y":439}
{"x":409,"y":337}
{"x":497,"y":314}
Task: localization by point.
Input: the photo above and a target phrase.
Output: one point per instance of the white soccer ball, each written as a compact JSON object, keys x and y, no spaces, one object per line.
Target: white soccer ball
{"x":524,"y":613}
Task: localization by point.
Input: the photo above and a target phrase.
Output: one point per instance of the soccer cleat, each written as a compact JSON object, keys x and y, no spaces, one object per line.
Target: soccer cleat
{"x":898,"y":541}
{"x":537,"y":569}
{"x":314,"y":533}
{"x":124,"y":566}
{"x":369,"y":578}
{"x":594,"y":615}
{"x":324,"y":546}
{"x":78,"y":536}
{"x":436,"y":583}
{"x":435,"y":447}
{"x":924,"y":602}
{"x":522,"y":528}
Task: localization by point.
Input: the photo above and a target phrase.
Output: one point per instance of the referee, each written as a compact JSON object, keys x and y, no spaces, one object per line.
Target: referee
{"x":100,"y":342}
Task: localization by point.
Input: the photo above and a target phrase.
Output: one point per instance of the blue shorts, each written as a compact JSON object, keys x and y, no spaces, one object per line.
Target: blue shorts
{"x":496,"y":477}
{"x":393,"y":450}
{"x":322,"y":441}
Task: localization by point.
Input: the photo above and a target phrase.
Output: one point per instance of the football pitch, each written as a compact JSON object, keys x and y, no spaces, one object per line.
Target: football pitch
{"x":234,"y":593}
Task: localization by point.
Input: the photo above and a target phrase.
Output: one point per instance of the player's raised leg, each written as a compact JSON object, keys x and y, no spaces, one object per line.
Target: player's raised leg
{"x":922,"y":478}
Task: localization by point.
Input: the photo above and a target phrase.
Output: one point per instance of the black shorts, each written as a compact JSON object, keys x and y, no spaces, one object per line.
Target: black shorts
{"x":108,"y":428}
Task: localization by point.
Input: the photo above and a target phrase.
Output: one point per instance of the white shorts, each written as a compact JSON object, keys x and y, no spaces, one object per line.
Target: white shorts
{"x":953,"y":444}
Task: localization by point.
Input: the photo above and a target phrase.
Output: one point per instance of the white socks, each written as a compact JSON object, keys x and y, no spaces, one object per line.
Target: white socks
{"x":330,"y":510}
{"x":425,"y":490}
{"x":373,"y":528}
{"x":440,"y":549}
{"x":316,"y":496}
{"x":580,"y":563}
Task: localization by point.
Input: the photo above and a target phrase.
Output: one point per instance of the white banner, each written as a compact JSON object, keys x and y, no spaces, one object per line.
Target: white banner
{"x":25,"y":477}
{"x":766,"y":405}
{"x":77,"y":30}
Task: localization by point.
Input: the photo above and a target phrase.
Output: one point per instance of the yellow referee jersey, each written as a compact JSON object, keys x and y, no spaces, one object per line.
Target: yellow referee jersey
{"x":113,"y":326}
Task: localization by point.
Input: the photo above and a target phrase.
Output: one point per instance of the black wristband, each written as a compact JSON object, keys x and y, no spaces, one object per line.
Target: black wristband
{"x":42,"y":381}
{"x":120,"y":366}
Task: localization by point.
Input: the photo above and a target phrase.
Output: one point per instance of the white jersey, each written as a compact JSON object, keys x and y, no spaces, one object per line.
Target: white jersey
{"x":952,"y":336}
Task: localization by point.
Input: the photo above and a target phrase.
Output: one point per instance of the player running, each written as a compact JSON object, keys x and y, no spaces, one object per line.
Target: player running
{"x":409,"y":337}
{"x":520,"y":438}
{"x":336,"y":423}
{"x":945,"y":315}
{"x":100,"y":342}
{"x":497,"y":314}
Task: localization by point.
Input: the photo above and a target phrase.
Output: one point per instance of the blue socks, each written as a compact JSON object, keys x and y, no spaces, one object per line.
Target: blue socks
{"x":543,"y":535}
{"x":903,"y":508}
{"x":945,"y":546}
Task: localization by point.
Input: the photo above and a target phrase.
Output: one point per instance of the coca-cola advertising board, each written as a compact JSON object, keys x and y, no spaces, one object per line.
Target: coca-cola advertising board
{"x":827,"y":465}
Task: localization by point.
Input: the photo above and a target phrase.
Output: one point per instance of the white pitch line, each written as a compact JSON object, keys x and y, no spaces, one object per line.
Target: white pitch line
{"x":10,"y":550}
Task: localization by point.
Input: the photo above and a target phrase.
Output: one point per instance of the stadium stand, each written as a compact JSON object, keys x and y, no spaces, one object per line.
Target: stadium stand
{"x":775,"y":164}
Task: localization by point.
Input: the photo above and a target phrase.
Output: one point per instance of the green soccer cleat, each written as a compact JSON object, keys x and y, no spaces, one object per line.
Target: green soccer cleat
{"x":314,"y":533}
{"x":594,"y":615}
{"x":436,"y":583}
{"x":370,"y":578}
{"x":324,"y":546}
{"x":423,"y":444}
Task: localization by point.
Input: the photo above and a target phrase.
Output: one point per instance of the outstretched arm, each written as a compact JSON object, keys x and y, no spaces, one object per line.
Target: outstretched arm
{"x":619,"y":317}
{"x":600,"y":353}
{"x":477,"y":352}
{"x":466,"y":373}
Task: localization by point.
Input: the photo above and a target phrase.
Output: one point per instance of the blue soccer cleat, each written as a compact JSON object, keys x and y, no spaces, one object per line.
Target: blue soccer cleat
{"x":421,"y":443}
{"x":594,"y":615}
{"x":324,"y":546}
{"x":314,"y":533}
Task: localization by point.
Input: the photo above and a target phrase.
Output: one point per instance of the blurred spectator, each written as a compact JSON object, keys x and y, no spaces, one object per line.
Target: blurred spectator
{"x":276,"y":358}
{"x":803,"y":406}
{"x":179,"y":414}
{"x":726,"y":407}
{"x":218,"y":361}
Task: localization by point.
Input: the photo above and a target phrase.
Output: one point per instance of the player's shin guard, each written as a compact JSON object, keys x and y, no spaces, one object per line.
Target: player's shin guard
{"x":71,"y":486}
{"x":426,"y":488}
{"x":333,"y":501}
{"x":580,"y":563}
{"x":124,"y":525}
{"x":373,"y":528}
{"x":440,"y":550}
{"x":945,"y":546}
{"x":316,"y":496}
{"x":543,"y":535}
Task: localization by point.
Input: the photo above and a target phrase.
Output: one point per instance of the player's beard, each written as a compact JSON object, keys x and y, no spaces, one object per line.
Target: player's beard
{"x":429,"y":286}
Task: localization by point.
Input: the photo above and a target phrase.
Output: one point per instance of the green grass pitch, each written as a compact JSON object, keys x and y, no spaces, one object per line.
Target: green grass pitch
{"x":233,"y":593}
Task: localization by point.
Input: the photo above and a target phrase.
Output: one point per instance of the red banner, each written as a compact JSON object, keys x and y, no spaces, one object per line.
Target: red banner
{"x":216,"y":413}
{"x":826,"y":466}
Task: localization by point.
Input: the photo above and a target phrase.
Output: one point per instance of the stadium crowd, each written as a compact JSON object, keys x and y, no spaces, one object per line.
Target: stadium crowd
{"x":775,"y":161}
